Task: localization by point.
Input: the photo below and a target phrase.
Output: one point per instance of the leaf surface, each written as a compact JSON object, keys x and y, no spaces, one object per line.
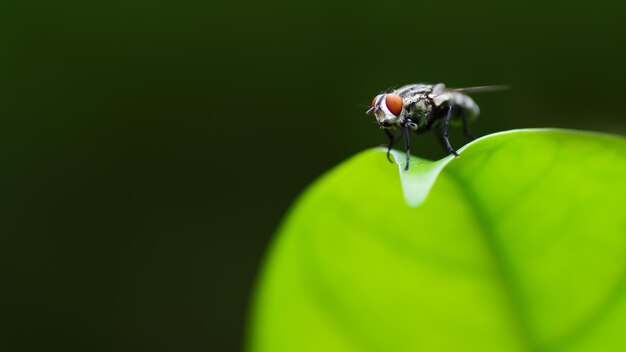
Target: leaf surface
{"x":518,"y":245}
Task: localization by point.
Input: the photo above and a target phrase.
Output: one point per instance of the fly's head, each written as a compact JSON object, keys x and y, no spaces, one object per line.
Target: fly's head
{"x":387,"y":109}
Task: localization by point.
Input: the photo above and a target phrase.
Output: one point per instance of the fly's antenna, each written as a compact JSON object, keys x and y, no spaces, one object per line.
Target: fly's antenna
{"x":369,"y":108}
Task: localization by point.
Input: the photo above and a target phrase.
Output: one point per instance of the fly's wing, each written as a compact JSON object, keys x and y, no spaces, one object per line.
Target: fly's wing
{"x":439,"y":88}
{"x":480,"y":89}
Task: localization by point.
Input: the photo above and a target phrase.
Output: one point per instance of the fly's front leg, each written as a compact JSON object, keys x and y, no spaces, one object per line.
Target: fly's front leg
{"x":446,"y":126}
{"x":407,"y":145}
{"x":392,"y":141}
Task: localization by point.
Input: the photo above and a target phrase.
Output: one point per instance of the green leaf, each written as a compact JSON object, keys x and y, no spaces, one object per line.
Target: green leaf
{"x":519,"y":246}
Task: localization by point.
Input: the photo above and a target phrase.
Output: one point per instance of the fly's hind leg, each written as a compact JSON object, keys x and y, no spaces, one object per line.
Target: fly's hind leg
{"x":466,"y":131}
{"x":444,"y":131}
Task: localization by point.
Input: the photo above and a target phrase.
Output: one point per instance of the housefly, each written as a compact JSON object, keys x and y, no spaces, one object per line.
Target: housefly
{"x":424,"y":107}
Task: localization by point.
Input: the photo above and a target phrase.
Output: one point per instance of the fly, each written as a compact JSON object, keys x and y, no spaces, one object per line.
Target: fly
{"x":422,"y":107}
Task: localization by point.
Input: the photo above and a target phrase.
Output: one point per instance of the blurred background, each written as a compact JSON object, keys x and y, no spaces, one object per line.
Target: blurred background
{"x":149,"y":149}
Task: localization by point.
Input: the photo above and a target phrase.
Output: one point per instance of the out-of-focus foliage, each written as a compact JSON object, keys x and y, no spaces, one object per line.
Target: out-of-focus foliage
{"x":129,"y":131}
{"x":520,"y":246}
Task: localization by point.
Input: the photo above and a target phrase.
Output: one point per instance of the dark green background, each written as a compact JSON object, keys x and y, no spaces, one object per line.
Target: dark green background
{"x":148,"y":149}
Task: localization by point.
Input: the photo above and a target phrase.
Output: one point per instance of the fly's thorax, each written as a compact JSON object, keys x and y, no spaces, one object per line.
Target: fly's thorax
{"x":418,"y":108}
{"x":416,"y":89}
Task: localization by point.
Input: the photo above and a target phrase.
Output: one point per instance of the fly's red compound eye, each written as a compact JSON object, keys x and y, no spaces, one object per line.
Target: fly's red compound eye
{"x":394,"y":103}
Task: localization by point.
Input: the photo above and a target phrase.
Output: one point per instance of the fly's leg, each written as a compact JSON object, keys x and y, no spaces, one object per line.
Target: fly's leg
{"x":466,"y":131}
{"x":407,"y":145}
{"x":446,"y":126}
{"x":392,"y":141}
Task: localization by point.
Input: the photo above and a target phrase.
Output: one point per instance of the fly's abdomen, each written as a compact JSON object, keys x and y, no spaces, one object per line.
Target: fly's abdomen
{"x":464,"y":105}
